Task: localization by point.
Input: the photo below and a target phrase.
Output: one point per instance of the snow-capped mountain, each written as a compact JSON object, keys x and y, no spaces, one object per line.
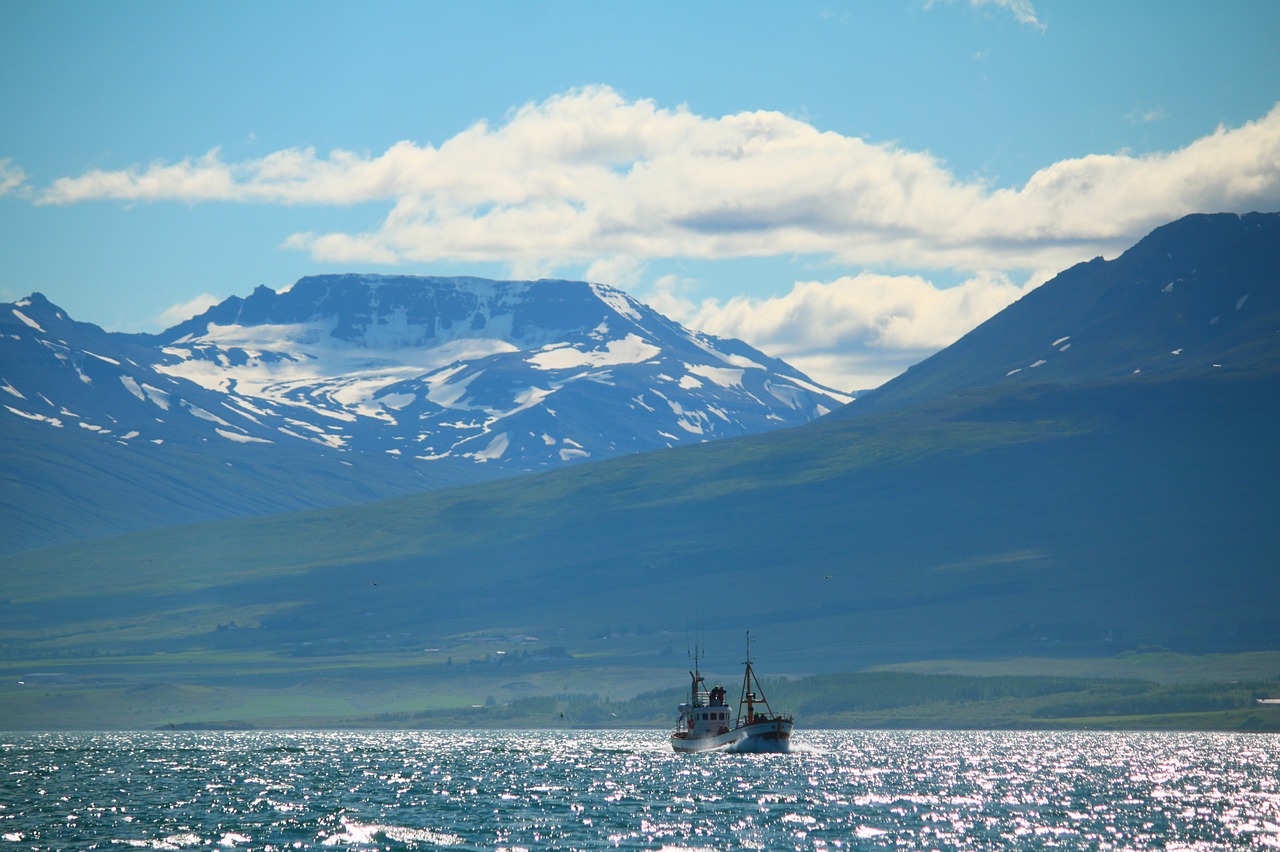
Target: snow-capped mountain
{"x":524,"y":374}
{"x":402,"y":382}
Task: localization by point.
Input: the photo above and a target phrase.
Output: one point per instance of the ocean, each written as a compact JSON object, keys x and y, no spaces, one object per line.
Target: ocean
{"x":278,"y":790}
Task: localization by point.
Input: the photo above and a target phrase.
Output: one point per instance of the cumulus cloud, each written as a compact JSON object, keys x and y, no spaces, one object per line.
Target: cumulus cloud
{"x":591,"y":180}
{"x":183,"y":311}
{"x":625,"y":273}
{"x":855,"y":332}
{"x":589,"y":176}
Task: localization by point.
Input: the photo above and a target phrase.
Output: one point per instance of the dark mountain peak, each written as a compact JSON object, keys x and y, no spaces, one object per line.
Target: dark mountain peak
{"x":416,"y":310}
{"x":39,"y":299}
{"x":1201,"y":293}
{"x":36,"y":305}
{"x":37,"y":315}
{"x":1200,"y":232}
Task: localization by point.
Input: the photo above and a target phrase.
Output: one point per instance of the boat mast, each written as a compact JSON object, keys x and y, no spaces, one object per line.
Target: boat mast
{"x":696,"y":674}
{"x":752,"y":693}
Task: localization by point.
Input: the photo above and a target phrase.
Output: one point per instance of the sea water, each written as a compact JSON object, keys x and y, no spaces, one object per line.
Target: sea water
{"x":627,"y":790}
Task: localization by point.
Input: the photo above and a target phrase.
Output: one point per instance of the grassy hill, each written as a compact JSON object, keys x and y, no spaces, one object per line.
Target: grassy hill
{"x":1050,"y":523}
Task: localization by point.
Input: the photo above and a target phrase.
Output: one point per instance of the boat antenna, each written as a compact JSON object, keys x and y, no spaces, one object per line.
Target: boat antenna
{"x":696,"y":656}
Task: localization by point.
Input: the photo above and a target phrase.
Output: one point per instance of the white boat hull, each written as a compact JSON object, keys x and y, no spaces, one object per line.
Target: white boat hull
{"x":773,"y":735}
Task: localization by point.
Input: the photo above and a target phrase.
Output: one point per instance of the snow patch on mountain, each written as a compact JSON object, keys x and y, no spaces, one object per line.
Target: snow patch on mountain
{"x":494,"y":450}
{"x":617,"y":301}
{"x":788,"y":395}
{"x":204,"y":415}
{"x":240,"y":437}
{"x":52,"y":421}
{"x":396,"y":400}
{"x":158,"y":397}
{"x":725,"y":377}
{"x":443,"y":391}
{"x":103,"y":358}
{"x":28,"y":320}
{"x":629,"y":350}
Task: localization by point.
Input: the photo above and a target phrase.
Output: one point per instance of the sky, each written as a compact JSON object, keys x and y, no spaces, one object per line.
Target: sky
{"x":847,"y":186}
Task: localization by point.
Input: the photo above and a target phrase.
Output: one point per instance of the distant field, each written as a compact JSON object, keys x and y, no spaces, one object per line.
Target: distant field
{"x":1159,"y":666}
{"x":411,"y":694}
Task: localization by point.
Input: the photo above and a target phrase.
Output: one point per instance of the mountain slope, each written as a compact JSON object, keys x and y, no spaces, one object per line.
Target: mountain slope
{"x":1078,"y":521}
{"x":1197,"y":294}
{"x":1007,"y":520}
{"x":349,"y":388}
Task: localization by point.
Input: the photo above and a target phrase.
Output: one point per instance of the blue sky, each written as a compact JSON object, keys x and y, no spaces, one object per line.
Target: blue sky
{"x":847,"y":186}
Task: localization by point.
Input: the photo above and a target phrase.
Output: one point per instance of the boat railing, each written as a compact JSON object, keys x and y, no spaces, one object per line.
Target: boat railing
{"x":771,"y":717}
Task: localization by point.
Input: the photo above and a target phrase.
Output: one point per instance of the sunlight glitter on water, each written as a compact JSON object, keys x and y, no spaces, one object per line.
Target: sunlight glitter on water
{"x":618,"y":789}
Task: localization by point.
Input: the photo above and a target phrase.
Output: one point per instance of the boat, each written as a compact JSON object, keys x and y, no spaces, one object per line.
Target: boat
{"x":706,"y":722}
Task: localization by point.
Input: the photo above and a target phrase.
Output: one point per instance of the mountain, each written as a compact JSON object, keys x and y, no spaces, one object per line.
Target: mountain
{"x":1195,"y":295}
{"x":1102,"y":515}
{"x":346,"y":388}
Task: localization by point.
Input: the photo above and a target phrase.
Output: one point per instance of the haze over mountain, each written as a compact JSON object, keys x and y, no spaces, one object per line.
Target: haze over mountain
{"x":352,"y":387}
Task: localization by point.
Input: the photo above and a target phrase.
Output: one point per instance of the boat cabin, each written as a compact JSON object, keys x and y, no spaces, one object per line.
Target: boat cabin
{"x":708,"y":715}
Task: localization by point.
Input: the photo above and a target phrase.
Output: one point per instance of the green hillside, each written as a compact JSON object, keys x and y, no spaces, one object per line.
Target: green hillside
{"x":1052,"y":522}
{"x":1082,"y":513}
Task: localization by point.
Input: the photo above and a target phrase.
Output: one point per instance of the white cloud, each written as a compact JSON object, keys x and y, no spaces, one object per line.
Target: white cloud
{"x":621,"y":272}
{"x":11,"y":177}
{"x":1146,"y":115}
{"x":183,"y":311}
{"x":852,"y":333}
{"x":590,"y":180}
{"x":588,"y":176}
{"x":1022,"y":11}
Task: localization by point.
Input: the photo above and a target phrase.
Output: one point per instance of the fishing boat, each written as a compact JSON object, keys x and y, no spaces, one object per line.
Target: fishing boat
{"x":707,"y":723}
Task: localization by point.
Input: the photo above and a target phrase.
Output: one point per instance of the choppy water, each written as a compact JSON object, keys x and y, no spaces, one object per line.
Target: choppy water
{"x":613,"y":789}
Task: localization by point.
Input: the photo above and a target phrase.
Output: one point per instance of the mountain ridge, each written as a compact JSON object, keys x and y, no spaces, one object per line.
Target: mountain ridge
{"x":391,"y":383}
{"x":1169,"y":304}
